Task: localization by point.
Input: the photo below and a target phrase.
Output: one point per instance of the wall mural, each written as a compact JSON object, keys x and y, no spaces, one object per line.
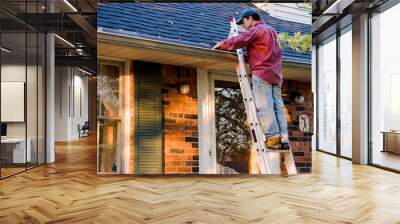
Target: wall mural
{"x":169,"y":112}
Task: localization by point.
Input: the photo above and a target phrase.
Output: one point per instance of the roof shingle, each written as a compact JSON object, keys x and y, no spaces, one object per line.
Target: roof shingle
{"x":195,"y":24}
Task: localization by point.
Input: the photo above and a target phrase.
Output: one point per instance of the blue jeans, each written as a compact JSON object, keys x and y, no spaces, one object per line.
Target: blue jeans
{"x":270,"y":109}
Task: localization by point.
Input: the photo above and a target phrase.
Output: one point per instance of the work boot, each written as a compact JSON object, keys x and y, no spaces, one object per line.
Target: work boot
{"x":273,"y":143}
{"x":285,"y":146}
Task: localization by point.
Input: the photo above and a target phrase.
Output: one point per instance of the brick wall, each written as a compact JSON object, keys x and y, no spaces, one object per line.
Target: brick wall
{"x":180,"y":137}
{"x":300,"y":141}
{"x":180,"y":125}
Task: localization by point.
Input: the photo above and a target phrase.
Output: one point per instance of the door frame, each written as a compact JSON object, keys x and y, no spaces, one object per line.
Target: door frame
{"x":206,"y":105}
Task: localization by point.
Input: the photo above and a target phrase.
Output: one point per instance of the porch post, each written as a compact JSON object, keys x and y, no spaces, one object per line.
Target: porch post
{"x":206,"y":162}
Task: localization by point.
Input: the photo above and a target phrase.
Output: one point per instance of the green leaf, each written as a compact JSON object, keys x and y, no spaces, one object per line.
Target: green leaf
{"x":297,"y":41}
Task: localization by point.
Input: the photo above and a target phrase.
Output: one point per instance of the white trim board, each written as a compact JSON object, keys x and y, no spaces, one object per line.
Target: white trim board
{"x":206,"y":108}
{"x":205,"y":156}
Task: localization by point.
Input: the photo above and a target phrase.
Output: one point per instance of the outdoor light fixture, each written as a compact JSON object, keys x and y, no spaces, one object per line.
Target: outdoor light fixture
{"x":184,"y":88}
{"x":65,"y":41}
{"x":70,"y":5}
{"x":79,"y":51}
{"x":297,"y":97}
{"x":5,"y":50}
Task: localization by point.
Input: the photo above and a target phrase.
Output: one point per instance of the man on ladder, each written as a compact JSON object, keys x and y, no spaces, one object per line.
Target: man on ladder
{"x":265,"y":59}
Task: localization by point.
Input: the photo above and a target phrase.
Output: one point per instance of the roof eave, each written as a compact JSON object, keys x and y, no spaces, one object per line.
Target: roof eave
{"x":151,"y":44}
{"x":146,"y":43}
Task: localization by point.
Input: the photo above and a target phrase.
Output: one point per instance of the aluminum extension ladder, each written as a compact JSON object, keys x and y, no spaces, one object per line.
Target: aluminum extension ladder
{"x":268,"y":161}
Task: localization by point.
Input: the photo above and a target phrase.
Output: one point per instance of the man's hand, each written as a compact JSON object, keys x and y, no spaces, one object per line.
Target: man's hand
{"x":217,"y":46}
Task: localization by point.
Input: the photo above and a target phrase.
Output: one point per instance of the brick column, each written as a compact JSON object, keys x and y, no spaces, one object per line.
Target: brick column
{"x":180,"y":125}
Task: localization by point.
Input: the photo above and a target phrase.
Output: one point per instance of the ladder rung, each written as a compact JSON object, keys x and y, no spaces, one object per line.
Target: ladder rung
{"x":278,"y":150}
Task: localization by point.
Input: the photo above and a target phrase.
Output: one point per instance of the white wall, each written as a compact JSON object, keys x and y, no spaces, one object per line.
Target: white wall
{"x":71,"y":94}
{"x":288,"y":11}
{"x":12,"y":73}
{"x":61,"y":103}
{"x":80,"y":100}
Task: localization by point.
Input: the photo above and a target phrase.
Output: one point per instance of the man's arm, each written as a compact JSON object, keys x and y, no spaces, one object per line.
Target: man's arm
{"x":237,"y":42}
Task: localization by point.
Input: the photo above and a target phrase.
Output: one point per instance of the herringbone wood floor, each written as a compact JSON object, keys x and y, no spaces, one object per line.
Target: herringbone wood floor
{"x":69,"y":191}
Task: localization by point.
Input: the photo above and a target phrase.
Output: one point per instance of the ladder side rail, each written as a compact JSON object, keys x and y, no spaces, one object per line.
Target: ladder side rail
{"x":258,"y":136}
{"x":249,"y":99}
{"x":247,"y":88}
{"x":250,"y":120}
{"x":251,"y":116}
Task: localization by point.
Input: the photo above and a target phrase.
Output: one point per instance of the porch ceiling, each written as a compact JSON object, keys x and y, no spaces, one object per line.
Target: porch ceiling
{"x":110,"y":46}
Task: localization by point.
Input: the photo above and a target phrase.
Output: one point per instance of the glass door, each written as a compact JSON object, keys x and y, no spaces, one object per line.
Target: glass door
{"x":15,"y":149}
{"x":108,"y":119}
{"x":232,"y":137}
{"x":22,"y":77}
